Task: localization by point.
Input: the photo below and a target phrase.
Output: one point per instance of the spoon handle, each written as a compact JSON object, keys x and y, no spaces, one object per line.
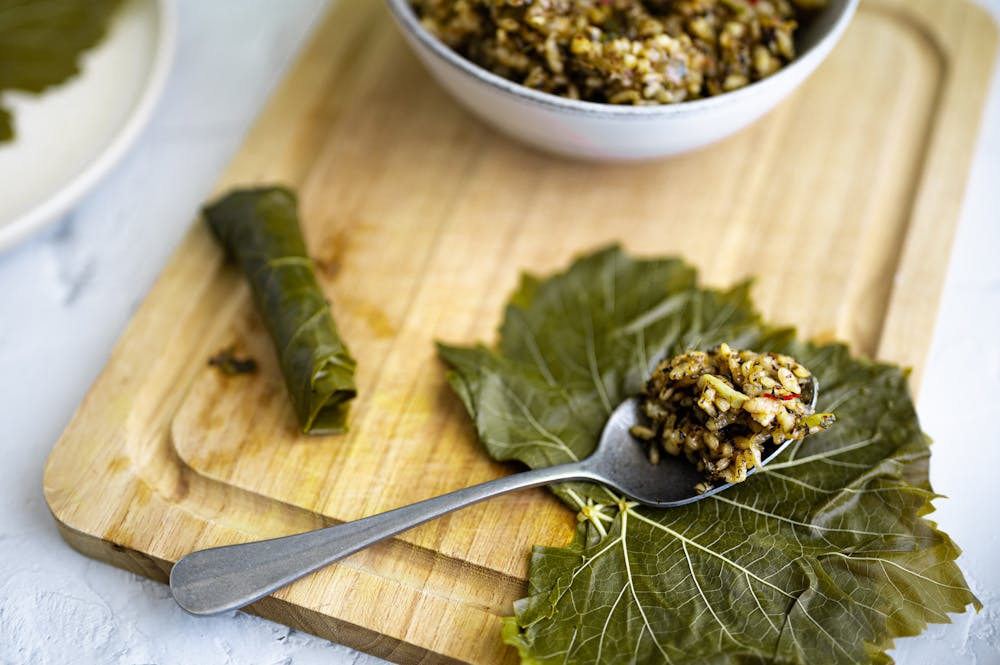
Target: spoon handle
{"x":226,"y":578}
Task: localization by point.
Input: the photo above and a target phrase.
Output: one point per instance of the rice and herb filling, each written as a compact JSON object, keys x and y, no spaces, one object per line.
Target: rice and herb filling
{"x":622,"y":51}
{"x":719,"y":409}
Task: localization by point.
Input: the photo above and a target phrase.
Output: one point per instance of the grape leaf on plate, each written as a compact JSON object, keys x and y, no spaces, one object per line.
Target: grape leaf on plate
{"x":822,"y":557}
{"x":41,"y":42}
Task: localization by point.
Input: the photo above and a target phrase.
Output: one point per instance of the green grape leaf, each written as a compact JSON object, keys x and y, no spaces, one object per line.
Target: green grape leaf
{"x":825,"y":556}
{"x":41,"y":42}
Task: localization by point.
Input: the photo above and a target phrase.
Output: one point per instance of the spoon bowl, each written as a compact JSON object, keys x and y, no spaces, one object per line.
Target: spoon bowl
{"x":622,"y":465}
{"x":222,"y":579}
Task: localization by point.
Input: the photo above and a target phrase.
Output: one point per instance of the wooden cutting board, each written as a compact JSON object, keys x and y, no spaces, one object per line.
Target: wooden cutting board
{"x":842,"y":204}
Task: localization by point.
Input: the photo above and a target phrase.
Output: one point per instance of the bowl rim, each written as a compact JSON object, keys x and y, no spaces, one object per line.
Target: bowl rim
{"x":407,"y":18}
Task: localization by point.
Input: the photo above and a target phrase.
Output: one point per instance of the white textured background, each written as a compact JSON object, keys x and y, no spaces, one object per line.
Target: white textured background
{"x":67,"y":293}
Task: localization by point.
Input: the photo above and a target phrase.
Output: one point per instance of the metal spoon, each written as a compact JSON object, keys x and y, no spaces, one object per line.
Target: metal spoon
{"x":226,"y":578}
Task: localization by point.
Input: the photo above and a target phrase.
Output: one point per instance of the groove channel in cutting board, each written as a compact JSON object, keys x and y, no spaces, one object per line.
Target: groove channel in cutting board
{"x":420,"y":220}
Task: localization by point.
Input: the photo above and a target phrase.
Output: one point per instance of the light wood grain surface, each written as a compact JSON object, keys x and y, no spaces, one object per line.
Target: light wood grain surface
{"x":420,"y":219}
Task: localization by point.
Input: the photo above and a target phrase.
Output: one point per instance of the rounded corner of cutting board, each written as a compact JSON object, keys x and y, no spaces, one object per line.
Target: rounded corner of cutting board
{"x":988,"y":22}
{"x":58,"y":485}
{"x":77,"y":528}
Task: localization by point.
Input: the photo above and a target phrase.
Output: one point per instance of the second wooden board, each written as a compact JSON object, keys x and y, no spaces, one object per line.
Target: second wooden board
{"x":421,"y":221}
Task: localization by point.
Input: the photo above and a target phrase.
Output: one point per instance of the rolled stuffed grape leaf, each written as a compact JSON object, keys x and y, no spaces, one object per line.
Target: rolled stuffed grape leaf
{"x":260,"y":229}
{"x":824,"y":556}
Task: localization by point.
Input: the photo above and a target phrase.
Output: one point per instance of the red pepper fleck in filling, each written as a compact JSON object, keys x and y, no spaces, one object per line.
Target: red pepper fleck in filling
{"x":784,"y":398}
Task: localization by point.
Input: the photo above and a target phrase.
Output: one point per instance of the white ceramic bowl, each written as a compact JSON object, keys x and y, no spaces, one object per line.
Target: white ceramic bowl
{"x":608,"y":132}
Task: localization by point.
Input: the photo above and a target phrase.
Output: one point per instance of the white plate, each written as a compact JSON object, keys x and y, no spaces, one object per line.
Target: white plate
{"x":68,"y":138}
